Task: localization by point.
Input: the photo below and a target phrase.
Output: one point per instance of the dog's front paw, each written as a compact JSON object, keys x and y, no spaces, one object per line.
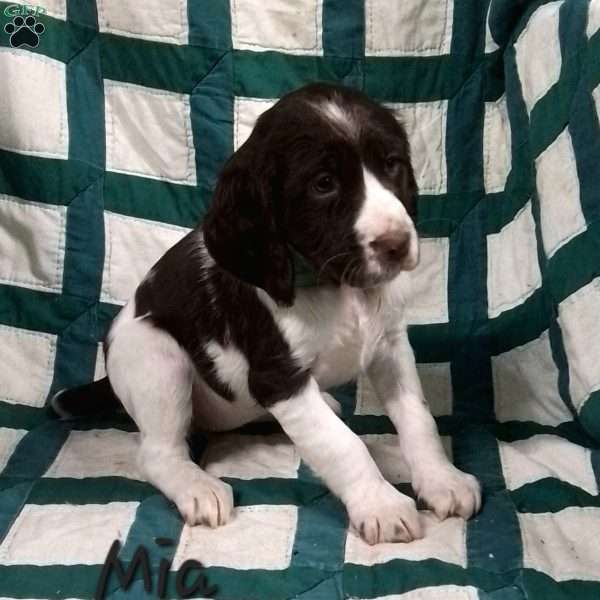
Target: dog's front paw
{"x":380,"y":513}
{"x":207,"y":501}
{"x":448,"y":491}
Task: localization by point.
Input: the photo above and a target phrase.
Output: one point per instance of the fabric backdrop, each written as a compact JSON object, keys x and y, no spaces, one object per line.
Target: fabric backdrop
{"x":112,"y":133}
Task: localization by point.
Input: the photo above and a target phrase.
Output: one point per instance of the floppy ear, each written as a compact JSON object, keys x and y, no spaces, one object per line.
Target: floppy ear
{"x":241,"y":229}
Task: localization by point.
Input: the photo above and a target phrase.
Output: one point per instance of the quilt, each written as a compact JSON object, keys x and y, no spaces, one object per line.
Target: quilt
{"x":115,"y":118}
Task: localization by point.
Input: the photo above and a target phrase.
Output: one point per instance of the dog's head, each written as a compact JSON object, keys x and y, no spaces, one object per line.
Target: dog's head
{"x":326,"y":173}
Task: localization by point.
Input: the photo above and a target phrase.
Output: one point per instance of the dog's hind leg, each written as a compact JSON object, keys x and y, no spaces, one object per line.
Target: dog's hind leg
{"x":153,"y":377}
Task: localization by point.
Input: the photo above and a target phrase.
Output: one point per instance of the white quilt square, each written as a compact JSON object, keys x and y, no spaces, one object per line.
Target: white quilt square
{"x":292,"y":26}
{"x":97,"y":453}
{"x":157,"y":20}
{"x":426,"y":288}
{"x":32,"y":244}
{"x":408,"y":28}
{"x":425,"y":124}
{"x":436,"y":381}
{"x":251,"y":456}
{"x":513,"y":267}
{"x":580,"y":325}
{"x":564,"y":545}
{"x":443,"y":540}
{"x":26,"y":365}
{"x":437,"y":388}
{"x":557,"y":183}
{"x":64,"y":534}
{"x":132,"y":247}
{"x":237,"y":544}
{"x":9,"y":438}
{"x":386,"y":452}
{"x":149,"y":133}
{"x":526,"y":385}
{"x":542,"y":456}
{"x":33,"y":107}
{"x":246,"y":112}
{"x":539,"y":58}
{"x":497,"y":153}
{"x":438,"y":592}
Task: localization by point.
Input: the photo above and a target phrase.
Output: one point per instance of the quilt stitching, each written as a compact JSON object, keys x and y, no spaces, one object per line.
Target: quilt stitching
{"x":465,"y":341}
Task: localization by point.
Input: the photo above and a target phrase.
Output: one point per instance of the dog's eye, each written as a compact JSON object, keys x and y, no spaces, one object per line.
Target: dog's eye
{"x":324,"y":184}
{"x":392,"y":165}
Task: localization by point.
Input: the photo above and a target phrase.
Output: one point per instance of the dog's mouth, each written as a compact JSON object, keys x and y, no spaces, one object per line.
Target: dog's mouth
{"x":378,"y":270}
{"x":359,"y":273}
{"x":361,"y":267}
{"x":375,"y":278}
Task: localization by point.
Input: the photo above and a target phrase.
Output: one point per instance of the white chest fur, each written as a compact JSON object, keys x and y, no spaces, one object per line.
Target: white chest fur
{"x":334,"y":330}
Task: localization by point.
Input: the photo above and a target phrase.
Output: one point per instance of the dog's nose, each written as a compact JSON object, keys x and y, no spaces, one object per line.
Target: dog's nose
{"x":391,"y":247}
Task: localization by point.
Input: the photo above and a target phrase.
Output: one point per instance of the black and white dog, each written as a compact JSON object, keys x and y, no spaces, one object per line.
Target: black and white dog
{"x":292,"y":285}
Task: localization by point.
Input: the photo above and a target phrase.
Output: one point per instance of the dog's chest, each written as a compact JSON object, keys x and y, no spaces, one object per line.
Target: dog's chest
{"x":342,"y":335}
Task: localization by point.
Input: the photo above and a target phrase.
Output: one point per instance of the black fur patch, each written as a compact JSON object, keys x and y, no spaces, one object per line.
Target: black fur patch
{"x":267,"y":199}
{"x":296,"y":184}
{"x":197,"y":304}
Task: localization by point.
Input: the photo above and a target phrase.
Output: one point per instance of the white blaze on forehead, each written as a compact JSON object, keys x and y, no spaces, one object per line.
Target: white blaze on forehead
{"x":338,"y":116}
{"x":381,"y":211}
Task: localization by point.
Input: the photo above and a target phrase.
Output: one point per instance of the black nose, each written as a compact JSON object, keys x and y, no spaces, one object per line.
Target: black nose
{"x":391,"y":247}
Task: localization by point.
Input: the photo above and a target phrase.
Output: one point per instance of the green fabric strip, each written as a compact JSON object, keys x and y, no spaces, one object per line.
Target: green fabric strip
{"x":182,"y":68}
{"x":344,"y":28}
{"x":590,"y":414}
{"x":38,"y":311}
{"x":82,"y":12}
{"x":155,"y":518}
{"x":212,"y":109}
{"x":493,"y":537}
{"x":154,"y":200}
{"x":30,"y":460}
{"x":84,"y":253}
{"x":519,"y":325}
{"x":210,"y":24}
{"x":513,"y":431}
{"x":566,"y":275}
{"x":16,"y":416}
{"x":271,"y":74}
{"x":322,"y":526}
{"x":90,"y":490}
{"x":47,"y":180}
{"x":403,"y":576}
{"x":551,"y":495}
{"x":59,"y":581}
{"x":539,"y":585}
{"x":76,"y":347}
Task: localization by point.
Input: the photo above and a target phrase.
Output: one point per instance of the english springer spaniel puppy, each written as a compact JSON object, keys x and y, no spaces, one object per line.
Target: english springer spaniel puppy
{"x":291,"y":285}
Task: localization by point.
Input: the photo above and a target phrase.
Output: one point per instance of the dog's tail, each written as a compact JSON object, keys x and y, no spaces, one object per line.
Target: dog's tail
{"x":85,"y":400}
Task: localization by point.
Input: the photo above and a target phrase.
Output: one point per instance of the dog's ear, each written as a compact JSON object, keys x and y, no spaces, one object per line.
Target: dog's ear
{"x":242,"y":228}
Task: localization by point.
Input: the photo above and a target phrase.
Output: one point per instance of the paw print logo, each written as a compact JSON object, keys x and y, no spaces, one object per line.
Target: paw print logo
{"x":24,"y":32}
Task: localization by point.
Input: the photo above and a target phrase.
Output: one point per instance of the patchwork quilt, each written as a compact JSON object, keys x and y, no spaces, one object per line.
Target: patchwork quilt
{"x":115,"y":118}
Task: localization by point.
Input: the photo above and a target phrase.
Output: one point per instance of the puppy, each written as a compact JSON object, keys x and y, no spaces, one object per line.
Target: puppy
{"x":292,"y":285}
